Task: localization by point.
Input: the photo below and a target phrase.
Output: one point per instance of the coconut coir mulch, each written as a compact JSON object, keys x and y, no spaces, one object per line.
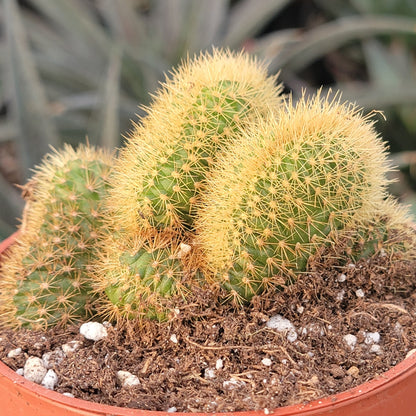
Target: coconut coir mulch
{"x":179,"y":362}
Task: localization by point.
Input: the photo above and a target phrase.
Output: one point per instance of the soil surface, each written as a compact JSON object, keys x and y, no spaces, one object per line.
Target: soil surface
{"x":218,"y":358}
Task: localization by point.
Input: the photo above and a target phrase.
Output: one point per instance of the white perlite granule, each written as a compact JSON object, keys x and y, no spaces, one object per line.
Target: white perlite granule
{"x":127,"y":379}
{"x":14,"y":353}
{"x":281,"y":324}
{"x":371,"y":337}
{"x":267,"y":362}
{"x":70,"y":347}
{"x":359,"y":293}
{"x":93,"y":331}
{"x":351,"y":340}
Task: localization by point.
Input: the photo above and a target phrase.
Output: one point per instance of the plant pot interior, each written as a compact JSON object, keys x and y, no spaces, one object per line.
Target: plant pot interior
{"x":343,"y":325}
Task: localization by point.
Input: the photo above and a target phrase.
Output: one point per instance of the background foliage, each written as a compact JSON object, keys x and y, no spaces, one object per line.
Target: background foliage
{"x":72,"y":69}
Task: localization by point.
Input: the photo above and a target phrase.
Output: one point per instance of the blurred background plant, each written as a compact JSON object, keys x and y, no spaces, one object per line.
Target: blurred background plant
{"x":72,"y":69}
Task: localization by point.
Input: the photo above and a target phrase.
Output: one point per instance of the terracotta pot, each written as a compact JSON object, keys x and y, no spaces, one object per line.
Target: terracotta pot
{"x":391,"y":393}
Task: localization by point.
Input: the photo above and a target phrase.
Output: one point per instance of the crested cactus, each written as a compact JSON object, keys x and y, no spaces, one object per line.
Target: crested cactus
{"x":44,"y":277}
{"x":287,"y":187}
{"x":137,"y":277}
{"x":161,"y":172}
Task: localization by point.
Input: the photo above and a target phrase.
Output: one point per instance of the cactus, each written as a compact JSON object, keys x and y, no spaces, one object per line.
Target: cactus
{"x":387,"y":230}
{"x":286,"y":188}
{"x":161,"y":172}
{"x":138,"y":277}
{"x":44,"y":277}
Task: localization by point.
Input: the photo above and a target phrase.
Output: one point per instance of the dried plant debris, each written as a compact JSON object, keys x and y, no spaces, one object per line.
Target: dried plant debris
{"x":337,"y":327}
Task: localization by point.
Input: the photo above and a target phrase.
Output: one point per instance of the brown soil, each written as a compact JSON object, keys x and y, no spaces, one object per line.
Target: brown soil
{"x":185,"y":374}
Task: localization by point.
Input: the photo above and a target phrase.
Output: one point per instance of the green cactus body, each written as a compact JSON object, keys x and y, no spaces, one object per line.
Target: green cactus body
{"x":163,"y":168}
{"x":286,"y":189}
{"x":180,"y":171}
{"x":136,"y":278}
{"x":389,"y":230}
{"x":45,"y":275}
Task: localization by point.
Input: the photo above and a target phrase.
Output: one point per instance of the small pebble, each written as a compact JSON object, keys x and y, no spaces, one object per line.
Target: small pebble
{"x":174,"y":339}
{"x":172,"y":409}
{"x":267,"y":362}
{"x":351,"y":340}
{"x":219,"y":364}
{"x":68,"y":394}
{"x":314,"y":380}
{"x":50,"y":380}
{"x":336,"y":371}
{"x":353,"y":371}
{"x":14,"y":353}
{"x":34,"y":370}
{"x":300,"y":310}
{"x":70,"y":347}
{"x":93,"y":331}
{"x":283,"y":325}
{"x":127,"y":379}
{"x":20,"y":371}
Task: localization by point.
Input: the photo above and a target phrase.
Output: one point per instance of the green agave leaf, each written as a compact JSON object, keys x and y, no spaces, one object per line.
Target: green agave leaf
{"x":330,"y":36}
{"x":105,"y":130}
{"x":248,"y":17}
{"x":36,"y":128}
{"x":388,"y":66}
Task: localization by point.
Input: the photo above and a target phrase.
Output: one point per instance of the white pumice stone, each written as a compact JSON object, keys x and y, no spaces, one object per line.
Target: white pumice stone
{"x":20,"y":371}
{"x":283,"y":325}
{"x":172,"y":409}
{"x":219,"y":364}
{"x":174,"y":338}
{"x":68,"y":394}
{"x":93,"y":331}
{"x":127,"y":379}
{"x":14,"y":353}
{"x":34,"y":370}
{"x":351,"y":340}
{"x":50,"y":380}
{"x":70,"y":347}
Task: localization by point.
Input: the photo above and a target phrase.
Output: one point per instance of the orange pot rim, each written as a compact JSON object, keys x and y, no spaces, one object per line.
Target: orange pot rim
{"x":377,"y":385}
